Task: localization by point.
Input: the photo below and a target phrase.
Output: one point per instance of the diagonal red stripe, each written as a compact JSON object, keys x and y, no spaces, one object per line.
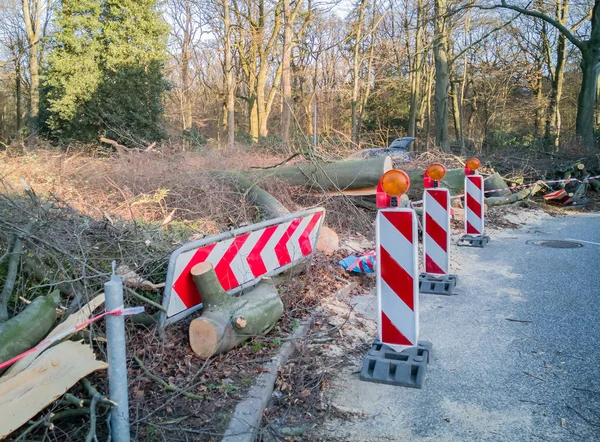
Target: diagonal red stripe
{"x":471,"y":229}
{"x":402,"y":221}
{"x":281,"y":251}
{"x":436,"y":232}
{"x":224,"y":273}
{"x":477,"y":180}
{"x":390,"y":333}
{"x":432,"y":267}
{"x":184,"y":287}
{"x":304,"y":240}
{"x":441,"y":196}
{"x":255,"y":261}
{"x":474,"y":205}
{"x":399,"y":280}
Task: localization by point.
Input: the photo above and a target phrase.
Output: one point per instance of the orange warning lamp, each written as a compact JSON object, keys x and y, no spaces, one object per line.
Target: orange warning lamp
{"x":436,"y":171}
{"x":473,"y":164}
{"x":395,"y":182}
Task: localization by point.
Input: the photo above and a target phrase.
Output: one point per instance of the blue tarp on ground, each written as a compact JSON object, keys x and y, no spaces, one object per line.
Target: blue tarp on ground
{"x":359,"y":264}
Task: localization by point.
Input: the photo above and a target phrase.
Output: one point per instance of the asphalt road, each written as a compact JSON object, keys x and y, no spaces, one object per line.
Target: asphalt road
{"x":492,"y":379}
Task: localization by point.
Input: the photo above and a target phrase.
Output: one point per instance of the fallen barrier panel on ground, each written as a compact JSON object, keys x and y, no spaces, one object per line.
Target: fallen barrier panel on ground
{"x":240,"y":258}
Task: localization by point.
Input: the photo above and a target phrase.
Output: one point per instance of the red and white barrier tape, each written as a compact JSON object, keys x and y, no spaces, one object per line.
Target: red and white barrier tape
{"x":119,"y":311}
{"x":521,"y":186}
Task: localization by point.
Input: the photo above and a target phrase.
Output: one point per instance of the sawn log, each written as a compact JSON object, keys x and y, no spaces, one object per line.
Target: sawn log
{"x":226,"y":320}
{"x":27,"y":329}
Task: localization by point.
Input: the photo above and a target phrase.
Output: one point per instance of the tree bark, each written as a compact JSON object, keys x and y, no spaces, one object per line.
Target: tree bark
{"x":267,"y":204}
{"x":19,"y":112}
{"x":356,"y":63}
{"x":286,"y":71}
{"x":415,"y":83}
{"x":456,"y":117}
{"x":440,"y":44}
{"x":29,"y":327}
{"x":227,"y":321}
{"x":553,"y":120}
{"x":186,"y":102}
{"x":584,"y":126}
{"x":513,"y":197}
{"x":350,"y":174}
{"x":230,"y":80}
{"x":33,"y":18}
{"x":495,"y":181}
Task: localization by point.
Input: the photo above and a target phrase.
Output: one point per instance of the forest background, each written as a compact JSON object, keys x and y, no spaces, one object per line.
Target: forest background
{"x":462,"y":76}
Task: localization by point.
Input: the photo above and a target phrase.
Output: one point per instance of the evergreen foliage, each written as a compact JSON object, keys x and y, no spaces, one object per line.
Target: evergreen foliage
{"x":104,"y":73}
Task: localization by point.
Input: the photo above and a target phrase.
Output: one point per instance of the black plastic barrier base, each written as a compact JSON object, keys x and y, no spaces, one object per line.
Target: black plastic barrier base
{"x":473,"y":241}
{"x":407,"y":368}
{"x":437,"y":284}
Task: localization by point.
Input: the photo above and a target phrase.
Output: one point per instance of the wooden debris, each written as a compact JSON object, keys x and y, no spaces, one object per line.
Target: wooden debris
{"x":328,"y":241}
{"x":76,"y":318}
{"x":27,"y":329}
{"x":135,"y":281}
{"x":226,"y":320}
{"x":45,"y":380}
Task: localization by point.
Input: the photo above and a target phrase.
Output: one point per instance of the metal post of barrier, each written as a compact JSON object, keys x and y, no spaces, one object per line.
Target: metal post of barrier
{"x":397,"y":357}
{"x":117,"y":365}
{"x":474,"y":207}
{"x":436,"y":236}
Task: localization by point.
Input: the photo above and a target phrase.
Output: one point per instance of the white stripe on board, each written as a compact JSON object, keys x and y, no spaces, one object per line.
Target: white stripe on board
{"x":437,"y":212}
{"x":399,"y":313}
{"x":396,"y":244}
{"x":436,"y":253}
{"x":268,"y":254}
{"x":293,"y":245}
{"x":239,"y":265}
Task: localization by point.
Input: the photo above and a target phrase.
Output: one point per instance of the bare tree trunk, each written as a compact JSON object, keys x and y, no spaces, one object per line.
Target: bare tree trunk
{"x":456,"y":111}
{"x":186,"y":102}
{"x":18,"y":94}
{"x":367,"y":90}
{"x":230,"y":108}
{"x":32,"y":15}
{"x":286,"y":72}
{"x":415,"y":84}
{"x":553,"y":120}
{"x":539,"y":102}
{"x":598,"y":106}
{"x":440,"y":43}
{"x":427,"y":104}
{"x":587,"y":95}
{"x":356,"y":63}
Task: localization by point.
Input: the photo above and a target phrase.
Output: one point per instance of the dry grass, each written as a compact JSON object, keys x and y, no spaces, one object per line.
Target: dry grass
{"x":144,"y":186}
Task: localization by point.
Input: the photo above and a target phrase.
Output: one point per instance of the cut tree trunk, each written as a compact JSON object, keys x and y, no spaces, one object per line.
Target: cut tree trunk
{"x":513,"y":197}
{"x":268,"y":205}
{"x":495,"y":181}
{"x":454,"y":181}
{"x":70,"y":322}
{"x":350,"y":174}
{"x":27,"y":329}
{"x":226,"y":320}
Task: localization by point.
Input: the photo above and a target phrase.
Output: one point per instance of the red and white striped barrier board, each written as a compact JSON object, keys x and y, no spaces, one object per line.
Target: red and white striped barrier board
{"x":436,"y":225}
{"x":397,"y":278}
{"x":474,"y":201}
{"x":240,"y":258}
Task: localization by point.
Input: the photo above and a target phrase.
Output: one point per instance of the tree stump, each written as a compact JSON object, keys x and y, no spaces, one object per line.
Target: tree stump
{"x":226,"y":320}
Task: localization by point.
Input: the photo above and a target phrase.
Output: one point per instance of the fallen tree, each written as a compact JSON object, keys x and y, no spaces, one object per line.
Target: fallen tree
{"x":227,"y":321}
{"x":349,"y":174}
{"x":515,"y":197}
{"x":267,"y":204}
